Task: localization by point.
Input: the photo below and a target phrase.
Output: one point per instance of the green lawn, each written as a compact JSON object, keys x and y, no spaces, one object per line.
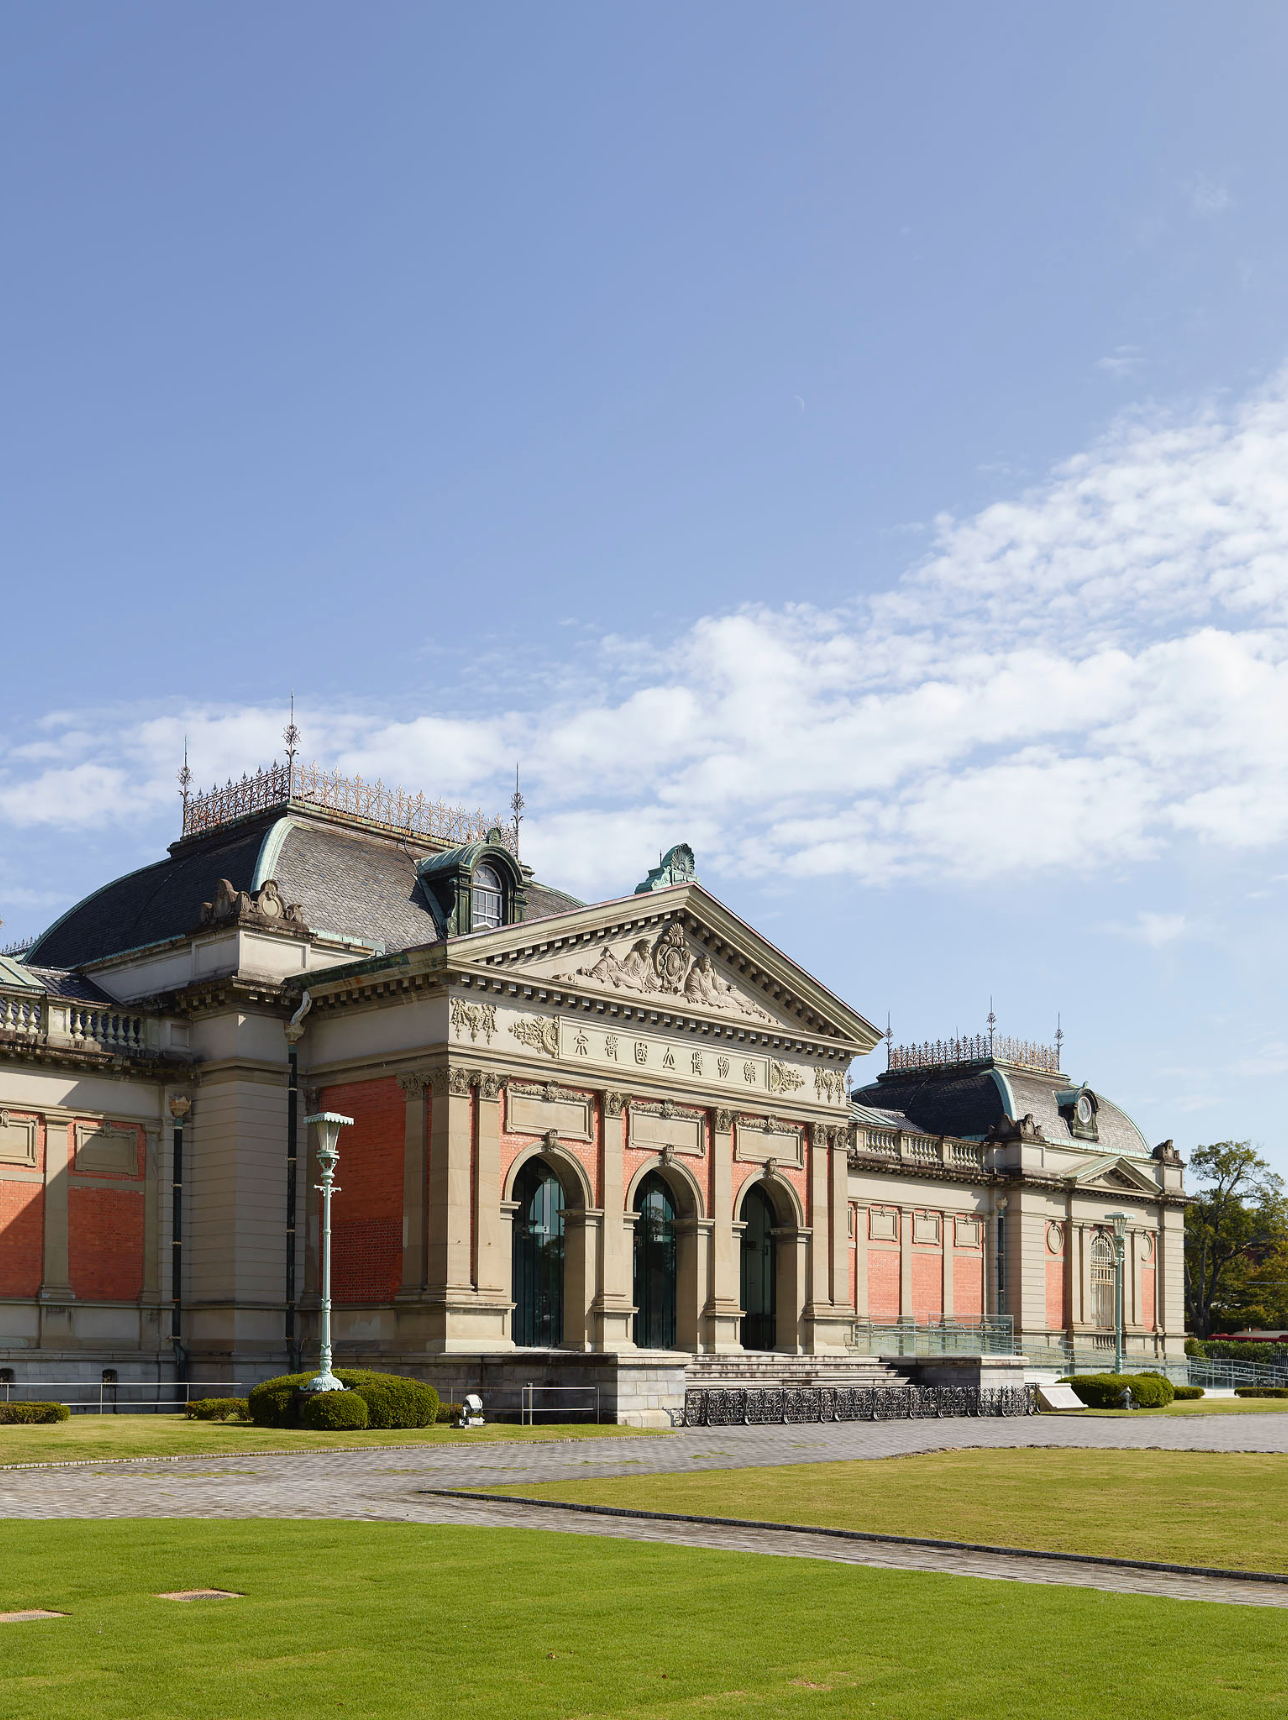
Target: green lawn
{"x":1199,"y":1406}
{"x":103,"y":1436}
{"x":395,"y":1621}
{"x":1195,"y":1508}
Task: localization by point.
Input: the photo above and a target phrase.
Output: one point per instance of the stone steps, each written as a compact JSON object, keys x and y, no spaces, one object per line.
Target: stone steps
{"x":765,"y":1370}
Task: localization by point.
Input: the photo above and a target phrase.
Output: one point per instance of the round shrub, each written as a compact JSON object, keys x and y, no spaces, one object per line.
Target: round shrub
{"x":24,"y":1414}
{"x":1187,"y":1392}
{"x":1103,"y":1391}
{"x":391,"y":1399}
{"x":216,"y":1409}
{"x":448,"y":1413}
{"x":327,"y":1411}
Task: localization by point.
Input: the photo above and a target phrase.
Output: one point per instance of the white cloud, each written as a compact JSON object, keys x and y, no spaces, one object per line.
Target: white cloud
{"x":1208,"y":197}
{"x":1121,"y":362}
{"x":1074,"y":679}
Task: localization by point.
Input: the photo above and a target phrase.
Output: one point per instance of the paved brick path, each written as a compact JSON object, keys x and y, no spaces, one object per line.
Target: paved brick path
{"x":391,"y":1485}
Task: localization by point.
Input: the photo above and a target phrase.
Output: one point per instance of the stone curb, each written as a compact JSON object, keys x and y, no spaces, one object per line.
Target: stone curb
{"x":861,"y":1535}
{"x":308,"y":1451}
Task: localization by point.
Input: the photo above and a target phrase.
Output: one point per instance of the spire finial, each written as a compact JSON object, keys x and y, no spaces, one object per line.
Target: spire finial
{"x":992,"y":1023}
{"x":185,"y":778}
{"x":889,"y":1038}
{"x":291,"y":735}
{"x":516,"y":810}
{"x":1059,"y":1043}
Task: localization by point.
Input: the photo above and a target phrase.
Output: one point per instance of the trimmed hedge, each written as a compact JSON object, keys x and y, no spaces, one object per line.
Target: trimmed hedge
{"x":1237,"y":1349}
{"x":1187,"y":1392}
{"x":391,"y":1399}
{"x":1102,"y":1391}
{"x":448,"y":1413}
{"x":14,"y":1414}
{"x":327,"y":1411}
{"x":217,"y":1409}
{"x":1261,"y":1391}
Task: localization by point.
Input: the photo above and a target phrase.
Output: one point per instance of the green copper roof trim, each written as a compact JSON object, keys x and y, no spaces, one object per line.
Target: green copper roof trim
{"x":270,"y":851}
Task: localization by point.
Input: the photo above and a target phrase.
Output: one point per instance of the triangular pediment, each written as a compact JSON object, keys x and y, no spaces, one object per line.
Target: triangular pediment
{"x":1115,"y":1176}
{"x":679,"y":951}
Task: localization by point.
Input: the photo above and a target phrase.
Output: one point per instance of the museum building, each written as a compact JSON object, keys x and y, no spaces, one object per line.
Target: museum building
{"x":605,"y":1141}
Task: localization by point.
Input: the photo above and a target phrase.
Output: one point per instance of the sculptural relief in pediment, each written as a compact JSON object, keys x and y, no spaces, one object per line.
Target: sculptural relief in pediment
{"x":665,"y":967}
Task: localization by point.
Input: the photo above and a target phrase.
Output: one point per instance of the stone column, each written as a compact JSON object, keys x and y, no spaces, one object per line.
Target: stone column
{"x":722,"y":1313}
{"x":817,"y":1146}
{"x":612,"y":1306}
{"x":415,"y":1087}
{"x":828,"y":1312}
{"x":839,"y":1210}
{"x":861,"y":1262}
{"x":491,"y":1263}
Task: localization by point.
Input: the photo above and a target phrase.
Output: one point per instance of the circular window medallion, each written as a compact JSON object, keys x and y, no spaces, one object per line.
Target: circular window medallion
{"x":1055,"y":1237}
{"x":1147,"y":1246}
{"x":1083,"y":1110}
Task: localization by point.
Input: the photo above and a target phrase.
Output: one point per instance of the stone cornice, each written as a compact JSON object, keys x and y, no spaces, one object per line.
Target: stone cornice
{"x":14,"y":1048}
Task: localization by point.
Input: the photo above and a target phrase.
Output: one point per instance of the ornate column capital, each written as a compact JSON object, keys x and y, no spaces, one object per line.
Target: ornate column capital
{"x":614,"y":1103}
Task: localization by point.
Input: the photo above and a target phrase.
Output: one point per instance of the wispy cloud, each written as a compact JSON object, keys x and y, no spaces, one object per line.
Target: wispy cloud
{"x":1122,"y":362}
{"x":1208,"y":197}
{"x":1077,"y":678}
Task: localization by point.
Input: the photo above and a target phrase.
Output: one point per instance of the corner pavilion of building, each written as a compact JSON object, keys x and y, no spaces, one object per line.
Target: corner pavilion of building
{"x":609,"y":1143}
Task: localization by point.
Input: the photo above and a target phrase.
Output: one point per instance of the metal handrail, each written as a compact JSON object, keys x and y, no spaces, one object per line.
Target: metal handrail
{"x":527,"y":1409}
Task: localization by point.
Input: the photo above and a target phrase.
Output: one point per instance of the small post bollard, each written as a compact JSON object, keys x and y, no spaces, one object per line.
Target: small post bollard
{"x":1125,"y":1399}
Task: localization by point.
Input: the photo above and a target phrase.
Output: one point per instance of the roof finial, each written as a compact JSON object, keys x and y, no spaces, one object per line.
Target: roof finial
{"x":889,"y":1038}
{"x":291,"y":735}
{"x":185,"y":778}
{"x":992,"y":1023}
{"x":516,"y":810}
{"x":1059,"y":1043}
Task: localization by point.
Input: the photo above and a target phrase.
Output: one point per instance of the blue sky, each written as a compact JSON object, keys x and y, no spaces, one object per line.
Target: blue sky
{"x":851,"y":439}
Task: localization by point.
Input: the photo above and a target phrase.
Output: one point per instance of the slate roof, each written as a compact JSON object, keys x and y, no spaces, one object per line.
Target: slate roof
{"x":969,"y":1099}
{"x":348,"y":882}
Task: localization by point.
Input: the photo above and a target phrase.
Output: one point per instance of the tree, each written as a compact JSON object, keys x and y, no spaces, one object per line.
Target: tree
{"x":1236,"y":1241}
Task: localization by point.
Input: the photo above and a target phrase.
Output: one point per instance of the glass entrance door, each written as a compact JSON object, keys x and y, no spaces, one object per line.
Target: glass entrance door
{"x":759,"y":1272}
{"x":654,"y":1265}
{"x":538,"y":1257}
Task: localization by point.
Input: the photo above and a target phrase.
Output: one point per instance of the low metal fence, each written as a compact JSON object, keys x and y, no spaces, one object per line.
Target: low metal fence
{"x":529,"y":1408}
{"x":737,"y":1407}
{"x":119,"y":1397}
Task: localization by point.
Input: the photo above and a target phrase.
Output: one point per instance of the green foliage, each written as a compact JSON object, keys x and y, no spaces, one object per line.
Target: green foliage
{"x":329,"y":1411}
{"x":1237,"y":1350}
{"x":391,"y":1399}
{"x":449,"y":1412}
{"x":1236,"y":1241}
{"x":217,"y":1409}
{"x":20,"y":1414}
{"x":1187,"y":1393}
{"x":1103,"y":1391}
{"x":1261,"y":1391}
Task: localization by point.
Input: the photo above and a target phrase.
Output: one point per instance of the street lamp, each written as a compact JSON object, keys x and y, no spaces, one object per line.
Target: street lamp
{"x":1119,"y":1221}
{"x":329,"y":1124}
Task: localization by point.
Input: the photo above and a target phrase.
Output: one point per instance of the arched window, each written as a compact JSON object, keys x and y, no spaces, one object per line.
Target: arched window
{"x":1102,"y":1283}
{"x":537,"y":1260}
{"x":759,"y":1272}
{"x":654,"y":1265}
{"x":488,"y":898}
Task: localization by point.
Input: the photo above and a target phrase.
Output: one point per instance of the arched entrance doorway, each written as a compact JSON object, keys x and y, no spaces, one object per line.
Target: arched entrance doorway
{"x":655,"y":1273}
{"x":537,"y":1281}
{"x":759,"y":1272}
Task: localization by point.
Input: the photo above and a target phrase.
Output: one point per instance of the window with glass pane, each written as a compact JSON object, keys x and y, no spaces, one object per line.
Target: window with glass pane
{"x":487,"y":898}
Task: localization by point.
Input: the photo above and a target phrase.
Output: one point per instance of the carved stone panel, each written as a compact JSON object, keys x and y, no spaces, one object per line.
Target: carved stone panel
{"x":652,"y":1129}
{"x":537,"y":1110}
{"x":925,"y":1228}
{"x":17,"y":1139}
{"x":768,"y":1140}
{"x":100,"y":1147}
{"x":966,"y":1232}
{"x":883,"y":1224}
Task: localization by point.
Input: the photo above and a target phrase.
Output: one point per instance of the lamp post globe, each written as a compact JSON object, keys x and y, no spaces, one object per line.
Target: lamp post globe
{"x":328,"y":1125}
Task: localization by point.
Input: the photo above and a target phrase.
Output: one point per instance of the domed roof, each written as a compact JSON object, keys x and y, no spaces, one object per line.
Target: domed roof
{"x":348,"y":882}
{"x":972,"y":1099}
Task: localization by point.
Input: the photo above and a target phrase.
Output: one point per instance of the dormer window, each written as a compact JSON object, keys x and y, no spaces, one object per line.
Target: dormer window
{"x":489,"y":900}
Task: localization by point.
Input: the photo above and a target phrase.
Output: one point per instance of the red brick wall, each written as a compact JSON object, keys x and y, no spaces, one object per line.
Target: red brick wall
{"x":883,"y":1284}
{"x":1055,"y":1294}
{"x":22,"y":1225}
{"x":1148,"y":1302}
{"x":367,"y":1214}
{"x":968,"y":1286}
{"x":927,"y":1286}
{"x":105,"y":1243}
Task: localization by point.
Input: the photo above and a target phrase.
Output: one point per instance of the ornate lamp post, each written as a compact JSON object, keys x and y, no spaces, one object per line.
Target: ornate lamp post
{"x":329,"y":1124}
{"x":1119,"y":1220}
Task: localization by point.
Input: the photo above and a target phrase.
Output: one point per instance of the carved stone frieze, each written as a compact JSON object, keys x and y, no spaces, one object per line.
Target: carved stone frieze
{"x":829,"y":1085}
{"x":666,"y":966}
{"x":539,"y":1032}
{"x":474,"y":1019}
{"x":783,"y":1078}
{"x":664,"y":1108}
